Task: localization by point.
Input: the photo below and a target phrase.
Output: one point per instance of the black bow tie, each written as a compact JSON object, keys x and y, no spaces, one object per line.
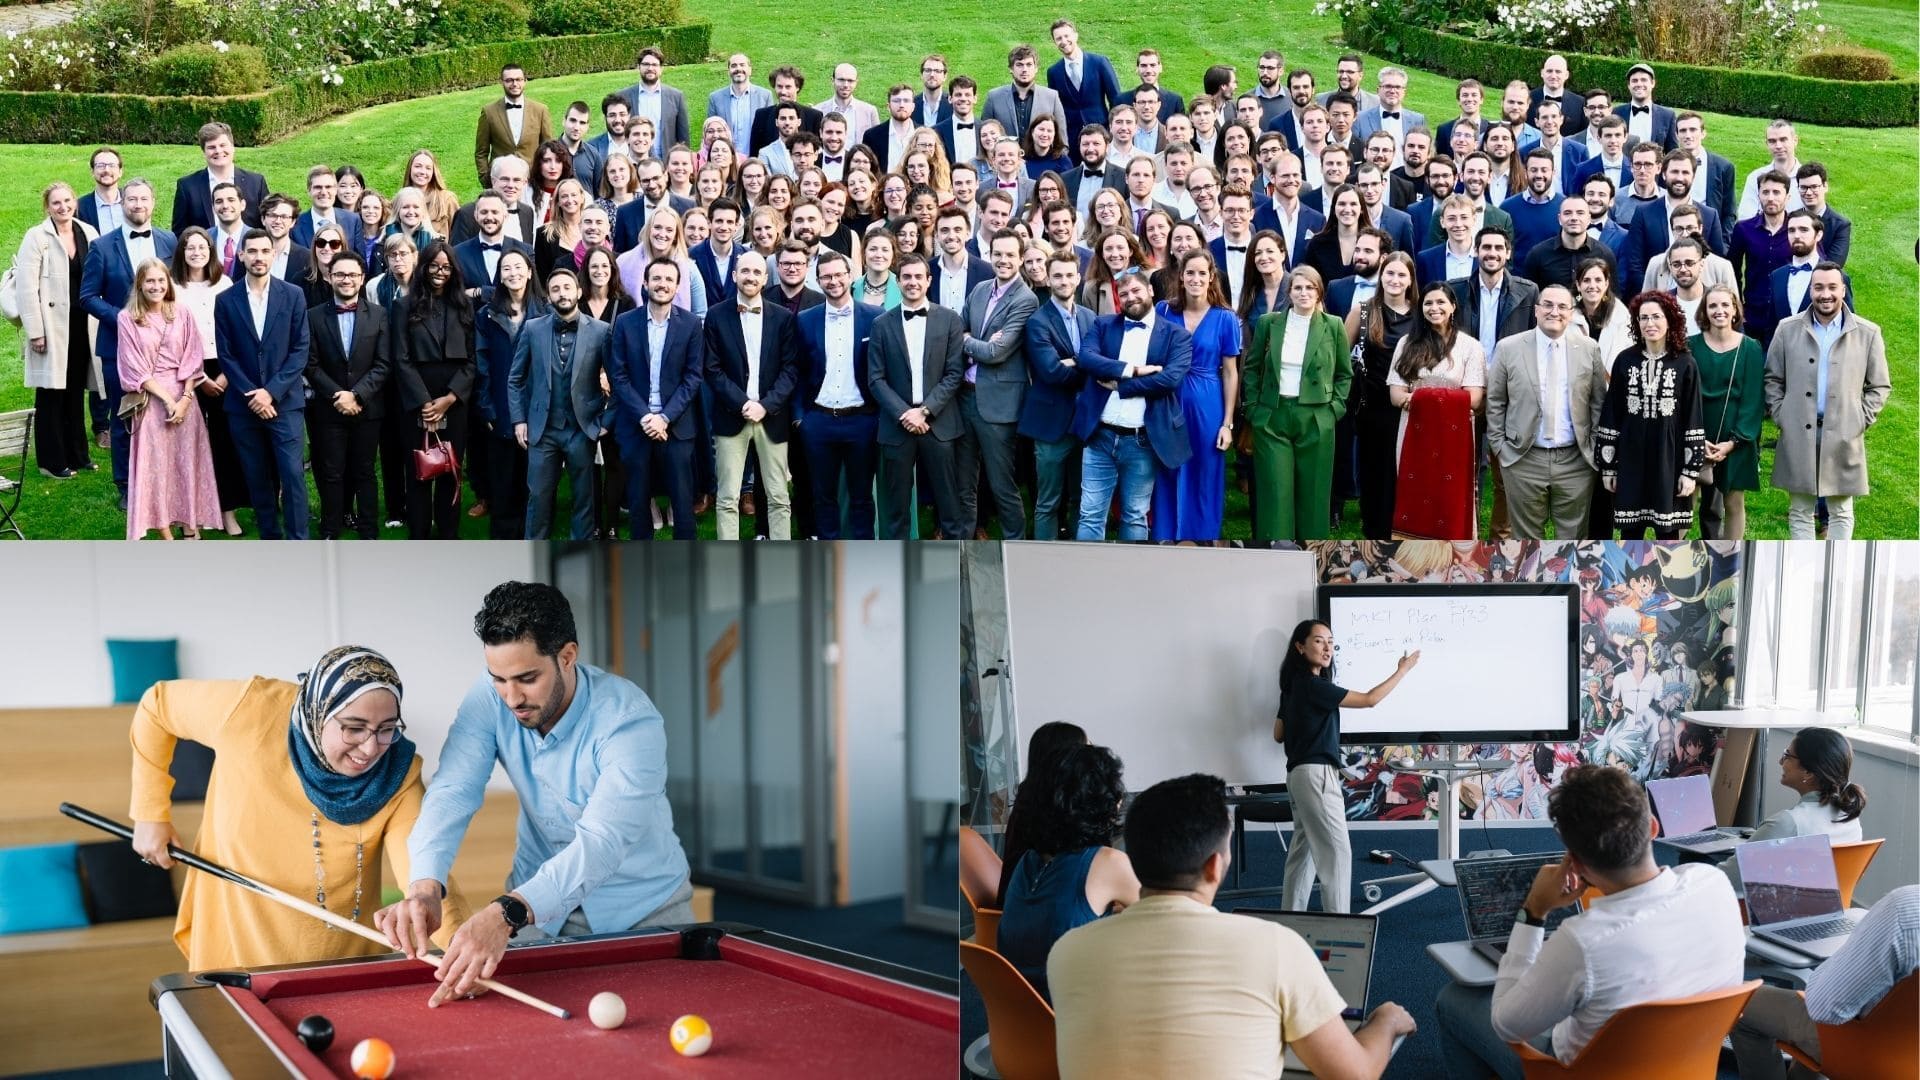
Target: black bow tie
{"x":963,"y":127}
{"x":1242,"y":249}
{"x":1638,"y":109}
{"x":489,"y":247}
{"x":140,"y":235}
{"x":1389,"y":116}
{"x":513,"y":104}
{"x":830,"y":159}
{"x":921,"y":314}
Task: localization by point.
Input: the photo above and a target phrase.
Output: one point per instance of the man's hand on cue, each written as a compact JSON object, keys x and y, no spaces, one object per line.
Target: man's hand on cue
{"x":472,"y":955}
{"x":411,"y":923}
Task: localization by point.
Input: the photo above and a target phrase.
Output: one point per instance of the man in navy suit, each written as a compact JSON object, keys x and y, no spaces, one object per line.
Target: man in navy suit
{"x":1128,"y":412}
{"x":835,"y":410}
{"x":915,"y":370}
{"x":889,"y":138}
{"x":1648,"y":235}
{"x":555,"y":403}
{"x":1712,"y":174}
{"x":1569,"y":155}
{"x":106,"y":281}
{"x":1836,"y":238}
{"x":753,"y":367}
{"x":260,"y":334}
{"x":1646,"y":121}
{"x":1787,"y":286}
{"x":193,"y":195}
{"x":1055,"y":333}
{"x":959,"y":130}
{"x":1085,"y":81}
{"x":1299,"y":96}
{"x":630,"y":221}
{"x":931,"y":107}
{"x":1553,"y":87}
{"x":1371,"y":181}
{"x":655,"y":366}
{"x":1346,"y":293}
{"x":1147,"y":66}
{"x":955,"y":274}
{"x":1285,"y":214}
{"x":322,"y":189}
{"x":478,"y":256}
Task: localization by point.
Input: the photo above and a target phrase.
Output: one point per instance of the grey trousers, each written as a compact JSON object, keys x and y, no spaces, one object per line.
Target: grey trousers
{"x":677,"y":911}
{"x":1549,"y":486}
{"x":1319,"y":841}
{"x":1773,"y":1013}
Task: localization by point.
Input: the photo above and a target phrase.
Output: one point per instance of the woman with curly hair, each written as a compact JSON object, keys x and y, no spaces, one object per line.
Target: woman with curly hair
{"x":1651,"y":438}
{"x":1070,"y":875}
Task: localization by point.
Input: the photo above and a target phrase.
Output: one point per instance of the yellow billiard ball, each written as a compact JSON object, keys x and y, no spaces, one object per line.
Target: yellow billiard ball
{"x":691,"y":1036}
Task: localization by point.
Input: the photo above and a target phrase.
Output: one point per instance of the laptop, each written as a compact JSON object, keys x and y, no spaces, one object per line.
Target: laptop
{"x":1491,"y":892}
{"x":1684,"y":805}
{"x":1793,"y":894}
{"x":1344,"y":944}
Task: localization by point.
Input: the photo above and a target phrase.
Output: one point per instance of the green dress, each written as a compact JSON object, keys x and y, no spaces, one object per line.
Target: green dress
{"x":1732,"y":403}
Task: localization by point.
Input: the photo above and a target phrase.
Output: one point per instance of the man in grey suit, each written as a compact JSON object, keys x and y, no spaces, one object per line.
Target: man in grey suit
{"x":1548,"y":459}
{"x":1016,"y":104}
{"x":555,"y":401}
{"x":655,"y":100}
{"x":914,"y":372}
{"x":995,"y":388}
{"x":737,"y":101}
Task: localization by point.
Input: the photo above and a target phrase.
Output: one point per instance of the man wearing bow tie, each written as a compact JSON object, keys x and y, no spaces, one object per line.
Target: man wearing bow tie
{"x":348,"y":365}
{"x":1787,"y":286}
{"x":1236,"y":236}
{"x":478,"y":256}
{"x":1127,"y":413}
{"x":1009,"y":175}
{"x":753,"y":367}
{"x":1390,"y":113}
{"x":959,"y":132}
{"x":1646,"y":121}
{"x":858,"y":115}
{"x":915,"y":370}
{"x":105,"y":284}
{"x":511,"y":125}
{"x":833,"y":146}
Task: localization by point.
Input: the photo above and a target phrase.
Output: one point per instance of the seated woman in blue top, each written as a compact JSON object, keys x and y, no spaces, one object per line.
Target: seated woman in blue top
{"x":1047,"y":741}
{"x":1069,"y":876}
{"x":1817,"y":764}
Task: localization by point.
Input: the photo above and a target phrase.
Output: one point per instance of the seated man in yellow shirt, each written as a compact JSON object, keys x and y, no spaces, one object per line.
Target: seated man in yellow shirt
{"x":1171,"y":981}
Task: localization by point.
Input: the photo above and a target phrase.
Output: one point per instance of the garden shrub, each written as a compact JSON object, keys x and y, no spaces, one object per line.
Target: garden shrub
{"x":206,"y":71}
{"x":1848,"y":63}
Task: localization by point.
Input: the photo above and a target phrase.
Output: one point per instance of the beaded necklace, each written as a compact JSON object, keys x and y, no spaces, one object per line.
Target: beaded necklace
{"x":320,"y":873}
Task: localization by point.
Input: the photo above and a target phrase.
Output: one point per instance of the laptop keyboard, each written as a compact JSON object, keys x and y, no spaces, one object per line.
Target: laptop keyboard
{"x":1825,"y":928}
{"x":1699,"y":837}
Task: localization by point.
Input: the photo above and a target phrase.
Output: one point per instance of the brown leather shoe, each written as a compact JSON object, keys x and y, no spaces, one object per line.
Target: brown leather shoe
{"x":748,"y":508}
{"x":703,"y":504}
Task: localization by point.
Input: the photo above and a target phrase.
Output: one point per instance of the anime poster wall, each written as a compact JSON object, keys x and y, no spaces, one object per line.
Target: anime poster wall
{"x":1657,"y":630}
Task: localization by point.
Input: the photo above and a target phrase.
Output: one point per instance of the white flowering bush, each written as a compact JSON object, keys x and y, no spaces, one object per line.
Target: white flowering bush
{"x":57,"y":58}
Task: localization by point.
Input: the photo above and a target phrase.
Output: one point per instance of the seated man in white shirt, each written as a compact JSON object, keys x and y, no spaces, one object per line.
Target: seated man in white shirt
{"x":1883,"y":949}
{"x":1171,"y":983}
{"x":1654,"y":934}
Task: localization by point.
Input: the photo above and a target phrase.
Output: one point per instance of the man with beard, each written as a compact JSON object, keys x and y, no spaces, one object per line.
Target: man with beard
{"x":1129,"y":433}
{"x":1826,"y":381}
{"x":1085,"y":179}
{"x":1650,"y":231}
{"x":1789,"y":287}
{"x":656,"y":101}
{"x":558,"y":411}
{"x":1346,"y":293}
{"x":586,"y":751}
{"x":1535,"y":211}
{"x":1348,"y":73}
{"x":1475,"y":170}
{"x":1760,"y":246}
{"x":1267,"y":88}
{"x":1288,"y":121}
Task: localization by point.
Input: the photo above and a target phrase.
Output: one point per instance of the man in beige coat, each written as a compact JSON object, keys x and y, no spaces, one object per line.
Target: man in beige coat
{"x":1826,"y":380}
{"x":1546,"y":455}
{"x":510,"y":125}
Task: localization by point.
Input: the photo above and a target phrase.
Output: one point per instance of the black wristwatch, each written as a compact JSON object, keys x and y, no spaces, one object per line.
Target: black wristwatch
{"x":1527,"y":917}
{"x":515,"y":912}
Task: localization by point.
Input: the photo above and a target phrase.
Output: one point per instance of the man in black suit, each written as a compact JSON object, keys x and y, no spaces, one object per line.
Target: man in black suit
{"x":478,"y":256}
{"x":787,"y":82}
{"x":1093,"y":172}
{"x":1553,"y":86}
{"x":1712,"y":174}
{"x":1299,"y":95}
{"x":655,"y":368}
{"x":931,"y":106}
{"x":510,"y":183}
{"x":960,"y":131}
{"x":1493,"y":304}
{"x":1646,"y":120}
{"x":753,"y":366}
{"x":193,"y":194}
{"x":556,"y":405}
{"x":888,"y":139}
{"x":347,"y":369}
{"x":914,"y":373}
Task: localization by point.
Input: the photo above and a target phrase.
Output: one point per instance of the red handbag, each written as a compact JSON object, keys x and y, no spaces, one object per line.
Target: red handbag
{"x":434,"y":459}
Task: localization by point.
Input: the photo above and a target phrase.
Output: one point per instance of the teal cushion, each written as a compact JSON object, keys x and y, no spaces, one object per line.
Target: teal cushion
{"x":40,"y":889}
{"x":137,"y":665}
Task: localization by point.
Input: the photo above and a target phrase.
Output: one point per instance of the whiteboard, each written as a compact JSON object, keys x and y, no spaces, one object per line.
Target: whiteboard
{"x":1496,"y":661}
{"x":1168,"y":655}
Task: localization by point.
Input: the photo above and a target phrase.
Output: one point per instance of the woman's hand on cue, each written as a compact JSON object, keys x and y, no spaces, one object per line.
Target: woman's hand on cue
{"x":150,"y":842}
{"x":411,"y":923}
{"x":1407,"y":660}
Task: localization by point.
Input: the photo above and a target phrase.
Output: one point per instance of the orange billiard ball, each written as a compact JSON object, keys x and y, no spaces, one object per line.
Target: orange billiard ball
{"x":373,"y":1059}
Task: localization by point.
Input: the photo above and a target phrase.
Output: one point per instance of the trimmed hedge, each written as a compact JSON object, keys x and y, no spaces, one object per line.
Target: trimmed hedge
{"x":47,"y":117}
{"x":1848,"y":62}
{"x":552,"y":18}
{"x":1768,"y":94}
{"x":238,"y":69}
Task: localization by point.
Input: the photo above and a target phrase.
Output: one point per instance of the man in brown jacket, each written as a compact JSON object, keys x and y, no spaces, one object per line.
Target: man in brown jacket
{"x":1826,"y":380}
{"x":511,"y":125}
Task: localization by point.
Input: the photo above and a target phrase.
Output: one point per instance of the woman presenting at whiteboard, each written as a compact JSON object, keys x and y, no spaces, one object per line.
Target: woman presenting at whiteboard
{"x":1308,"y":725}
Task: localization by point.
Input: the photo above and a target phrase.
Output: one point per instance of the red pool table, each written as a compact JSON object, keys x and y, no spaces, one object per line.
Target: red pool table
{"x":779,"y":1007}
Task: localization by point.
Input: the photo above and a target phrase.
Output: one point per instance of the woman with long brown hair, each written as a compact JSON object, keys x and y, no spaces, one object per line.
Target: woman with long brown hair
{"x":423,"y":172}
{"x":1114,"y":251}
{"x":1439,"y":381}
{"x":1651,"y":440}
{"x":1189,"y":502}
{"x":169,"y":465}
{"x":1377,"y":327}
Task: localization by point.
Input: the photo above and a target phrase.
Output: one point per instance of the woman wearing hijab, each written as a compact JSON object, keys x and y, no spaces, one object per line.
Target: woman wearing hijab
{"x":312,"y":783}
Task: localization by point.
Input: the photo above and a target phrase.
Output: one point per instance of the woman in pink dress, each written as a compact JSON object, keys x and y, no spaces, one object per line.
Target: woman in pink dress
{"x":171,"y":465}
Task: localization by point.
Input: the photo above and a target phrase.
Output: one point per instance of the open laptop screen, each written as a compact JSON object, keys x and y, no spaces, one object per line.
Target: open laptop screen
{"x":1492,"y":890}
{"x":1684,"y":804}
{"x":1789,"y":878}
{"x":1344,"y":946}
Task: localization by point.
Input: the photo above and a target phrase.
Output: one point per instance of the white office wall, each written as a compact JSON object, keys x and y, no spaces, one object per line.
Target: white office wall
{"x":251,"y":609}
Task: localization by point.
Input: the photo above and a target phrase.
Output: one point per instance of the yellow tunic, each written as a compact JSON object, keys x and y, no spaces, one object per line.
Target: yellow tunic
{"x":259,"y":822}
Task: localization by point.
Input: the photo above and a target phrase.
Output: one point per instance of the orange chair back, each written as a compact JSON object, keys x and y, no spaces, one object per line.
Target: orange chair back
{"x":1850,"y":863}
{"x":986,"y":928}
{"x":979,"y":869}
{"x":1657,"y":1040}
{"x":1882,"y":1045}
{"x":1019,"y":1020}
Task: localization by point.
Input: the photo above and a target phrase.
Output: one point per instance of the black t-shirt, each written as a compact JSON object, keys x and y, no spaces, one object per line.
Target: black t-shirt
{"x":1311,"y":711}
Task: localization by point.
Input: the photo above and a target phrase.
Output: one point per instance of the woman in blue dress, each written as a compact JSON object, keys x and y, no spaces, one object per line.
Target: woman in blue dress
{"x":1189,"y":501}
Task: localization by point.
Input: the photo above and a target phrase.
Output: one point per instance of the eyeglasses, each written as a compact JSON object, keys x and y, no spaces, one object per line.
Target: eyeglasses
{"x":355,"y":734}
{"x":326,"y":244}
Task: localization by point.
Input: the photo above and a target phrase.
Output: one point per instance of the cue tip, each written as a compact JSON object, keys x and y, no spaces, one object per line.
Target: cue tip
{"x":565,"y":1015}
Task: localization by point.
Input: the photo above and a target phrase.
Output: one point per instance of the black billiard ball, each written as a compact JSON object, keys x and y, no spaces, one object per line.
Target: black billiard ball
{"x":317,"y":1032}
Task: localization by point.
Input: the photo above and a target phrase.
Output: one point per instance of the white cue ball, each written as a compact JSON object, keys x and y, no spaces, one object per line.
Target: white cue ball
{"x":607,"y":1011}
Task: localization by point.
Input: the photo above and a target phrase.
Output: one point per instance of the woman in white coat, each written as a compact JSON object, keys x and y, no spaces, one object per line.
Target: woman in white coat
{"x":57,"y":333}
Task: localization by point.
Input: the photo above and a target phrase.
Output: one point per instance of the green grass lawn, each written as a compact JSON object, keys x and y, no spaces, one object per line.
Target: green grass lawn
{"x":1875,"y":174}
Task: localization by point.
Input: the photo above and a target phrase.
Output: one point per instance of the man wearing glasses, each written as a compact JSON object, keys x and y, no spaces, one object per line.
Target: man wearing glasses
{"x":290,"y":260}
{"x":1544,"y":392}
{"x":586,"y":751}
{"x":349,"y":367}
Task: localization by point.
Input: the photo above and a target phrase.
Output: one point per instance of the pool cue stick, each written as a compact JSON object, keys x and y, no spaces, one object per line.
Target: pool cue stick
{"x":106,"y":824}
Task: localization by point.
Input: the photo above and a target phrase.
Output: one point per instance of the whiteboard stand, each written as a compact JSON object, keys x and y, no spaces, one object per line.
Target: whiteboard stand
{"x":1448,"y":842}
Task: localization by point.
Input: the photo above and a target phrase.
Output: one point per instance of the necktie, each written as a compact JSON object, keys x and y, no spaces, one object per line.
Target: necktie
{"x":1550,"y":405}
{"x":141,"y":234}
{"x":1389,"y":116}
{"x":1073,"y":71}
{"x":226,"y":255}
{"x":513,"y":104}
{"x":1140,"y":219}
{"x":1131,"y":324}
{"x":921,"y":314}
{"x":745,"y":310}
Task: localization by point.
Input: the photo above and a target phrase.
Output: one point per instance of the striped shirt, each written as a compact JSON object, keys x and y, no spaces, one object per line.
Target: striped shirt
{"x":1883,"y":949}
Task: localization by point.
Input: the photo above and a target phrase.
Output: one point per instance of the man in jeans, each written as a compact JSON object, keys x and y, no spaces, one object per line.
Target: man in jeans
{"x":1128,"y":409}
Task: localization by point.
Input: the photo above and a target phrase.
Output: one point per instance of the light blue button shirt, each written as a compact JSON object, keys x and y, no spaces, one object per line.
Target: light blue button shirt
{"x":656,"y":348}
{"x":595,"y":828}
{"x":1824,"y":335}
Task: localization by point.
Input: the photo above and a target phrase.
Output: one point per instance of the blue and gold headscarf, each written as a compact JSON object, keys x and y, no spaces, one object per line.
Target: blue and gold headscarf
{"x":340,"y":677}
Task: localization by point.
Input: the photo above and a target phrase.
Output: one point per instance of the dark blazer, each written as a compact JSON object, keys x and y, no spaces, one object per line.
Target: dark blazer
{"x":1283,"y":122}
{"x":427,"y":363}
{"x":1218,"y":249}
{"x":1720,"y":194}
{"x":473,"y":262}
{"x":978,"y":270}
{"x":1170,"y":102}
{"x":1663,"y":122}
{"x":88,"y":210}
{"x":890,"y":374}
{"x":1779,"y":308}
{"x":1572,"y":106}
{"x":944,"y":129}
{"x":1340,"y":295}
{"x":193,"y":199}
{"x":1648,"y":236}
{"x":764,"y":133}
{"x":106,"y":283}
{"x":1568,"y":161}
{"x":1090,"y":102}
{"x":1443,"y":135}
{"x":275,"y":360}
{"x":1517,"y":295}
{"x":813,"y":353}
{"x":941,"y":115}
{"x":719,"y":286}
{"x":465,"y":228}
{"x":345,"y":220}
{"x":1593,"y":164}
{"x":1396,"y":224}
{"x":1430,"y":265}
{"x":333,"y":366}
{"x":631,"y":220}
{"x":629,"y":370}
{"x":1172,"y":349}
{"x":1047,"y":414}
{"x":529,"y":397}
{"x":779,"y":370}
{"x":1837,"y":239}
{"x":1112,"y":176}
{"x":1311,"y":222}
{"x":299,"y":261}
{"x":495,"y":340}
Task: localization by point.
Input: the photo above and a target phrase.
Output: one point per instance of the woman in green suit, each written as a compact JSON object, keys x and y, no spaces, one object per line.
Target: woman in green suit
{"x":1296,"y":377}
